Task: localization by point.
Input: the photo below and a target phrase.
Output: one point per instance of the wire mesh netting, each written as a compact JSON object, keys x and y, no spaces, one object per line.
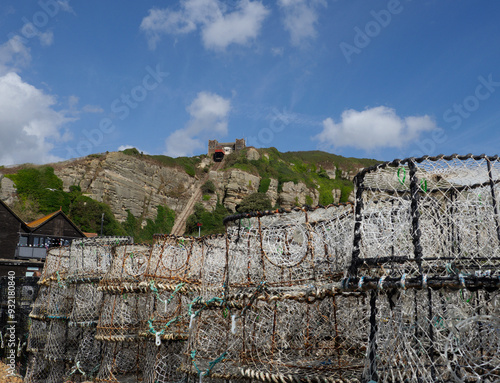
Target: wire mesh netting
{"x":400,"y":287}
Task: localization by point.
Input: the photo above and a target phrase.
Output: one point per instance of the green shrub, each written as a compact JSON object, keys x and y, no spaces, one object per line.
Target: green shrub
{"x":264,"y":185}
{"x":212,"y":221}
{"x":208,"y":187}
{"x":309,"y":200}
{"x":131,"y":152}
{"x":163,"y":224}
{"x":254,"y":202}
{"x":206,"y":197}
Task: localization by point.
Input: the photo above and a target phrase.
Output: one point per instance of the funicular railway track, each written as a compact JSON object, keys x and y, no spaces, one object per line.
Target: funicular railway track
{"x":180,"y":222}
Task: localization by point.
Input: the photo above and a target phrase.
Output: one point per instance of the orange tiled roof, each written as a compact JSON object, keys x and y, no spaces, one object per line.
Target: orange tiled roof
{"x":39,"y":221}
{"x":90,"y":235}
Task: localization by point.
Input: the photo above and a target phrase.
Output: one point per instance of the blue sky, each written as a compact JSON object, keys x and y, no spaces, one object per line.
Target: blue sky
{"x":378,"y":79}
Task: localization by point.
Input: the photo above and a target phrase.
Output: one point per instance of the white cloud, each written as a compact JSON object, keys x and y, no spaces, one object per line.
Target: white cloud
{"x":13,"y":55}
{"x":92,"y":109}
{"x":64,"y":4}
{"x":373,"y":128}
{"x":278,"y":51}
{"x":28,"y":123}
{"x":209,"y":113}
{"x":300,"y":18}
{"x":46,"y":38}
{"x":219,"y":27}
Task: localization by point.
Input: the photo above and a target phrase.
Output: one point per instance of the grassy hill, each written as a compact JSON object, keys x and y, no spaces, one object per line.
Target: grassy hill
{"x":40,"y":191}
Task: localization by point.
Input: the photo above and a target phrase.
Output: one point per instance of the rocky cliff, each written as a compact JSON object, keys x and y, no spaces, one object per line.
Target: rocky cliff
{"x":139,"y":183}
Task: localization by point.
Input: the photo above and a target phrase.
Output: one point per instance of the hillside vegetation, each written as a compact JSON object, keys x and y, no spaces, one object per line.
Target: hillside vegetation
{"x":40,"y":191}
{"x":308,"y":167}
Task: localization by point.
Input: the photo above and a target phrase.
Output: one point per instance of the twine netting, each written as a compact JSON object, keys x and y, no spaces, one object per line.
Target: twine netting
{"x":428,"y":215}
{"x":429,"y":336}
{"x":86,"y":305}
{"x":37,"y":336}
{"x":122,"y":361}
{"x":305,"y":244}
{"x":121,"y":316}
{"x":401,"y":287}
{"x":38,"y":368}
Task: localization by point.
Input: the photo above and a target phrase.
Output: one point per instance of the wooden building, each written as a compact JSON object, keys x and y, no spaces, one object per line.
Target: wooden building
{"x":11,"y":226}
{"x":23,"y":246}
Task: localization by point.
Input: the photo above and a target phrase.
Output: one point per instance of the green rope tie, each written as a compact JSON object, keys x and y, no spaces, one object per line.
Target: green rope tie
{"x":423,"y":185}
{"x":205,"y":305}
{"x":76,"y":368}
{"x":167,"y":301}
{"x":402,"y":181}
{"x":211,"y":365}
{"x":59,"y":282}
{"x":158,"y":334}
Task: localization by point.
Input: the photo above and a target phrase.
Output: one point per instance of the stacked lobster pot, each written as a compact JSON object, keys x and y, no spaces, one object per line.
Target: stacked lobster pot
{"x":427,"y":249}
{"x":173,"y":281}
{"x":52,"y":344}
{"x":278,"y":316}
{"x":403,"y":286}
{"x":125,"y":306}
{"x":90,"y":260}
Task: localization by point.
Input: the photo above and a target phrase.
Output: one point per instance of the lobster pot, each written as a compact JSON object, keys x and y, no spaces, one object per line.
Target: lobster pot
{"x":428,"y":215}
{"x":62,"y":341}
{"x":282,"y":245}
{"x":128,"y":266}
{"x":288,"y":248}
{"x":437,"y":335}
{"x":57,"y":372}
{"x":175,"y":259}
{"x":37,"y":335}
{"x":55,"y":347}
{"x":163,"y":362}
{"x":88,"y":356}
{"x":213,"y":272}
{"x":332,"y":236}
{"x":88,"y":261}
{"x":121,"y":317}
{"x":122,"y":362}
{"x":294,"y":340}
{"x":38,"y":368}
{"x":212,"y":349}
{"x":39,"y":308}
{"x":56,"y":264}
{"x":87,"y":304}
{"x":28,"y":292}
{"x":168,"y":318}
{"x":60,"y":301}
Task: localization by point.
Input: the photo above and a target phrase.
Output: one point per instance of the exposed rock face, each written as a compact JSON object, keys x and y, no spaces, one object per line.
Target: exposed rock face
{"x":272,"y":192}
{"x":7,"y":190}
{"x":332,"y":173}
{"x":139,"y":185}
{"x":233,"y":185}
{"x":349,"y":175}
{"x":295,"y":194}
{"x":128,"y":183}
{"x":336,"y":194}
{"x":252,"y":154}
